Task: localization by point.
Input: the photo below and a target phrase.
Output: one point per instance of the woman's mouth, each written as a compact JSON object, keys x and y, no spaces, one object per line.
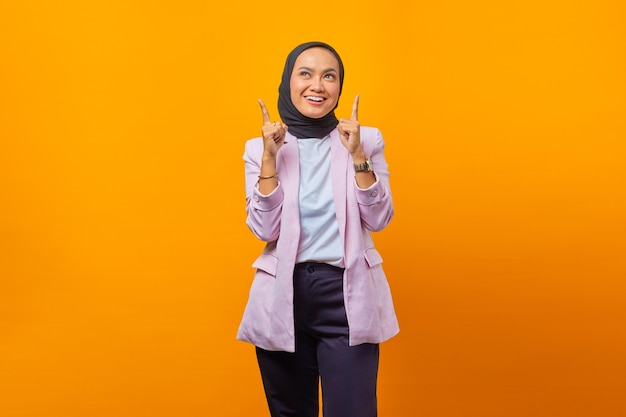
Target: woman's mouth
{"x":315,"y":99}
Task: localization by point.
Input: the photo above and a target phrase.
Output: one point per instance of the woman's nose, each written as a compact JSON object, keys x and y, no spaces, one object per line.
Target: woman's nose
{"x":317,"y":85}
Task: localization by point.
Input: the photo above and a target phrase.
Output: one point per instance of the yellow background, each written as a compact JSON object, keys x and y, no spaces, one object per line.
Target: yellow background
{"x":124,"y":255}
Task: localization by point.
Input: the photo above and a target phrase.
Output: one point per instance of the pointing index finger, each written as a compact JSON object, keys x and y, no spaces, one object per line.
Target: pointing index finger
{"x":266,"y":116}
{"x":355,"y":108}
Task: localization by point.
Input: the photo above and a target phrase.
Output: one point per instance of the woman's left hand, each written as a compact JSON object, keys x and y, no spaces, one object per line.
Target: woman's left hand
{"x":350,"y":129}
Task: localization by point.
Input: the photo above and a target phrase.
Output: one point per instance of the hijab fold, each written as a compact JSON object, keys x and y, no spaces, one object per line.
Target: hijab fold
{"x":299,"y":125}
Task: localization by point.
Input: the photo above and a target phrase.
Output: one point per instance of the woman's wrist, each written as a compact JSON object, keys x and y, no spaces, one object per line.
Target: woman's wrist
{"x":268,"y":158}
{"x":358,"y":156}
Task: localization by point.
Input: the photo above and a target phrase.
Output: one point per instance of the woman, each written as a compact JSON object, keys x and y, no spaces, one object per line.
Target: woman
{"x":320,"y":303}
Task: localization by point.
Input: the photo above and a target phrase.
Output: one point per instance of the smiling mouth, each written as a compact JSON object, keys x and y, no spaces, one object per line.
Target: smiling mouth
{"x":315,"y":99}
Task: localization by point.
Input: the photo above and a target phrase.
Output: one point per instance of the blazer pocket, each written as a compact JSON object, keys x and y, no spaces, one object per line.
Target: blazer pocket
{"x":372,"y":257}
{"x":267,"y":263}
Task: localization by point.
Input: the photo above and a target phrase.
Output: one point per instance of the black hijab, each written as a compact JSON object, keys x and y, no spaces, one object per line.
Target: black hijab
{"x":299,"y":125}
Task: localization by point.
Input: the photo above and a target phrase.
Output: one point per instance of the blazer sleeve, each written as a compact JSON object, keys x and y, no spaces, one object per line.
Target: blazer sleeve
{"x":263,"y":211}
{"x":375,"y":202}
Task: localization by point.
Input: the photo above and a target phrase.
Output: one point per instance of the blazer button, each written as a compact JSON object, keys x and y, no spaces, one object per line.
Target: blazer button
{"x":256,"y":198}
{"x":374,"y":193}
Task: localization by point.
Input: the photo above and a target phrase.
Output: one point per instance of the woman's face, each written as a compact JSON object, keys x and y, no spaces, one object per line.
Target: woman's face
{"x":315,"y":82}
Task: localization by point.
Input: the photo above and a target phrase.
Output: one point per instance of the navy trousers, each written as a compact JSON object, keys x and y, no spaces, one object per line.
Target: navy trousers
{"x":348,"y":374}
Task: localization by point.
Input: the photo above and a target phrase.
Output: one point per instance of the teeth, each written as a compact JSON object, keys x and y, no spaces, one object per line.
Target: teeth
{"x":315,"y":98}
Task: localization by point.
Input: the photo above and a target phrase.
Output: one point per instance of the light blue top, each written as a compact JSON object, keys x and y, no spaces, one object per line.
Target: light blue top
{"x":319,"y":239}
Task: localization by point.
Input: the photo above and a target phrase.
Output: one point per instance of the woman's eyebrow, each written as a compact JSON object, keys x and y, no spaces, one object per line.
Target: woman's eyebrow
{"x":331,"y":69}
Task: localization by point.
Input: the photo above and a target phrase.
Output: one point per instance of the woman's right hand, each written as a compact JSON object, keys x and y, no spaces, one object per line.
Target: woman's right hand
{"x":273,"y":133}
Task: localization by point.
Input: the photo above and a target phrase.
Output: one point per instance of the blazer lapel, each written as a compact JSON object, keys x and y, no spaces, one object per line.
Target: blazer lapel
{"x":289,"y":175}
{"x":339,"y":166}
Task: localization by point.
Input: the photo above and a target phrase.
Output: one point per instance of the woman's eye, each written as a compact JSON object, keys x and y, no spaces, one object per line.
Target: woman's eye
{"x":304,"y":73}
{"x":330,"y":76}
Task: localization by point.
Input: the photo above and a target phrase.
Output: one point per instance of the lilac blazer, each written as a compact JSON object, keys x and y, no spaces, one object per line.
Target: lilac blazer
{"x":268,"y":317}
